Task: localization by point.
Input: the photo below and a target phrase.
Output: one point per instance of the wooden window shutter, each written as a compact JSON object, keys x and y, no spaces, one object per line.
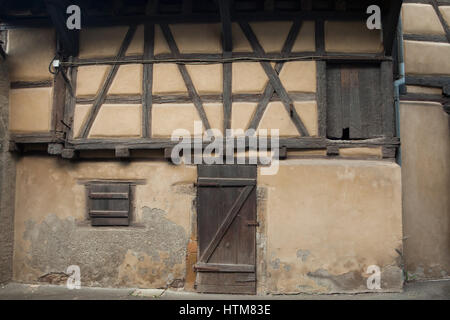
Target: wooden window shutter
{"x":354,"y":101}
{"x":109,"y":204}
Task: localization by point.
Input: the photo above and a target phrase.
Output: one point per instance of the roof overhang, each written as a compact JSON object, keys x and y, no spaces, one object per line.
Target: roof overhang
{"x":45,"y":13}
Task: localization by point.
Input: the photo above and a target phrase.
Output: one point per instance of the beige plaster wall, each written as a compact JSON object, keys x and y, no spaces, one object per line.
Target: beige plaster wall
{"x":106,"y":41}
{"x":51,"y":231}
{"x":276,"y":117}
{"x":30,"y":52}
{"x":351,"y":37}
{"x":425,"y":139}
{"x":271,"y":35}
{"x":30,"y":110}
{"x":445,"y":10}
{"x":188,"y":39}
{"x":248,"y":77}
{"x":427,"y":57}
{"x":337,"y":218}
{"x":420,"y":19}
{"x":117,"y":120}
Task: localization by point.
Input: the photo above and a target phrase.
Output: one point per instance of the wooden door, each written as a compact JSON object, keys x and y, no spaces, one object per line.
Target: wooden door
{"x":226,"y":217}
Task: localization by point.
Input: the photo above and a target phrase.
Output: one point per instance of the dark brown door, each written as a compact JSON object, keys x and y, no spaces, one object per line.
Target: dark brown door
{"x":226,"y":218}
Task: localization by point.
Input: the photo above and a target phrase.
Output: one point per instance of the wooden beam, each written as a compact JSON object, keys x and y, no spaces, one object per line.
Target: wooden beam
{"x":269,"y":91}
{"x":31,"y":84}
{"x":223,"y":228}
{"x":428,"y":80}
{"x":100,"y":99}
{"x":322,"y":97}
{"x":444,"y":23}
{"x":210,"y":17}
{"x":274,"y":80}
{"x":147,"y":82}
{"x":68,"y":38}
{"x":390,"y":21}
{"x":387,"y":98}
{"x":55,"y":148}
{"x":225,"y":16}
{"x":70,"y":101}
{"x":59,"y":100}
{"x":68,"y":154}
{"x":221,"y":267}
{"x":176,"y":98}
{"x":122,"y":152}
{"x":320,"y":36}
{"x":186,"y":77}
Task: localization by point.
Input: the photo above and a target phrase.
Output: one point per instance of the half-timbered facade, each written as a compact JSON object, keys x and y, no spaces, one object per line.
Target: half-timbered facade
{"x":91,"y":139}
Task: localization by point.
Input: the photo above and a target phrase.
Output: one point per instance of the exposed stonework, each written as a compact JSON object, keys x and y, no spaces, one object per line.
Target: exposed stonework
{"x":148,"y":256}
{"x":7,"y":181}
{"x":52,"y":232}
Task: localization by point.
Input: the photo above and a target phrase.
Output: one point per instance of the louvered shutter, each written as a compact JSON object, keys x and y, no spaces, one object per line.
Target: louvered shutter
{"x":109,"y":204}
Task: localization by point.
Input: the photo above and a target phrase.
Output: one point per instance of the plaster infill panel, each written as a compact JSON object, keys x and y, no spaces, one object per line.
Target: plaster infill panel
{"x":207,"y":79}
{"x":426,"y":90}
{"x":351,"y":37}
{"x":276,"y":117}
{"x":188,"y":40}
{"x":445,"y":10}
{"x":248,"y":77}
{"x":90,"y":79}
{"x":128,"y":80}
{"x":327,"y":221}
{"x":79,"y":117}
{"x":161,"y":46}
{"x":241,"y":115}
{"x":30,"y":109}
{"x":214,"y":113}
{"x":166,"y":118}
{"x":117,"y":120}
{"x":271,"y":35}
{"x":101,"y":42}
{"x":427,"y":57}
{"x":136,"y":46}
{"x":299,"y":76}
{"x":306,"y":39}
{"x":167,"y":79}
{"x":420,"y":19}
{"x":30,"y":52}
{"x":240,"y":41}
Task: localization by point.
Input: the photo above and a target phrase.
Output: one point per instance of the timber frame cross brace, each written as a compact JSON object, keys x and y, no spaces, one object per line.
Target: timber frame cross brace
{"x":274,"y":85}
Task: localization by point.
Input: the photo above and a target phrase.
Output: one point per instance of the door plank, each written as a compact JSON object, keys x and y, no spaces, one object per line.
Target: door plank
{"x":224,"y":267}
{"x":226,"y":223}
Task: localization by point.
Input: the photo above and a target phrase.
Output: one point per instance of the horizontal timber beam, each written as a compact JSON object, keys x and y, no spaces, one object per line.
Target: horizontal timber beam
{"x":137,"y":99}
{"x":212,"y":17}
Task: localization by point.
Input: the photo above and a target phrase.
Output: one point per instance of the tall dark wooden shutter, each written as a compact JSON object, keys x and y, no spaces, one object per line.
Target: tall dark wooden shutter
{"x":354,"y":101}
{"x":109,"y":204}
{"x":226,"y":229}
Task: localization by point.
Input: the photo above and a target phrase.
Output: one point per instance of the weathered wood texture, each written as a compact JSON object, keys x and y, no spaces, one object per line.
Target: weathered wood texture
{"x":226,"y":230}
{"x":100,"y":99}
{"x":355,"y":102}
{"x":109,"y":204}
